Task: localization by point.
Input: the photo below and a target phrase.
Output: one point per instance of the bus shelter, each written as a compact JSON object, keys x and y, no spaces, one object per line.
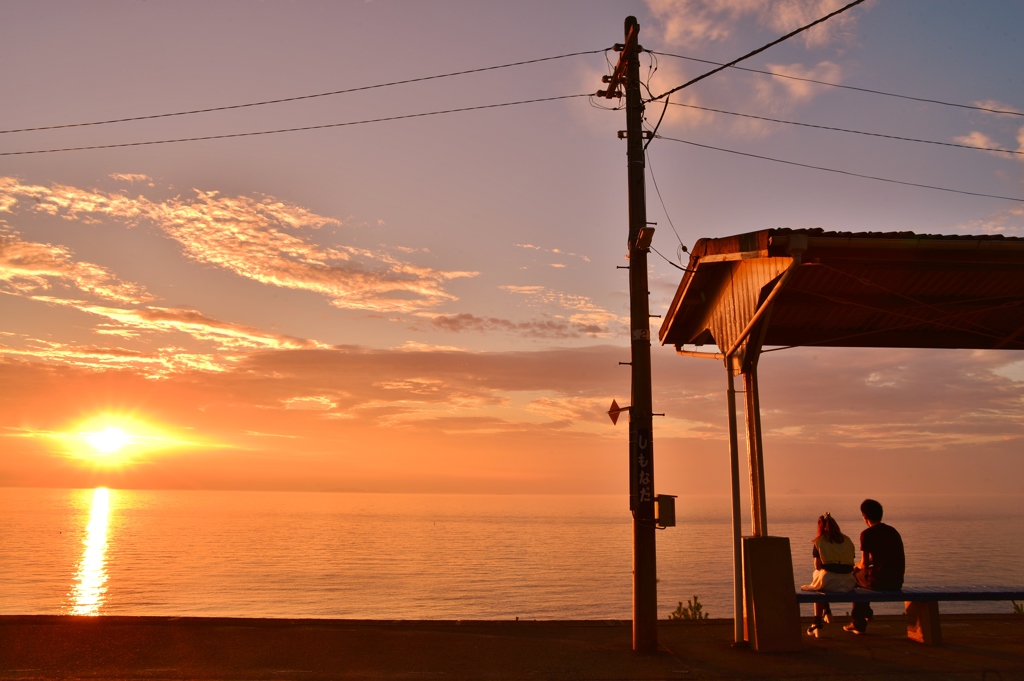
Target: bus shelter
{"x":789,"y":288}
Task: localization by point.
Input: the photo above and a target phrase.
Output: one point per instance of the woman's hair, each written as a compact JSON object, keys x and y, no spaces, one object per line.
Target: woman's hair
{"x":829,"y":529}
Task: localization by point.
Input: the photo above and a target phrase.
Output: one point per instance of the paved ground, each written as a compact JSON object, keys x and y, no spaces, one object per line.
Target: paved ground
{"x":43,"y":647}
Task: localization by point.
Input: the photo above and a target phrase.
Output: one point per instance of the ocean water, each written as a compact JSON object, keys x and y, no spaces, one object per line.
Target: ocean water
{"x":407,"y":556}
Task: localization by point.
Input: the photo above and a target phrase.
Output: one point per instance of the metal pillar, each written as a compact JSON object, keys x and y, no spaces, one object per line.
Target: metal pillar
{"x":737,"y":519}
{"x":755,"y":453}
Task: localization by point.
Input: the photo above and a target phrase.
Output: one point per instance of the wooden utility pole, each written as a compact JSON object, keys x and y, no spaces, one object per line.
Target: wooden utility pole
{"x":641,"y":444}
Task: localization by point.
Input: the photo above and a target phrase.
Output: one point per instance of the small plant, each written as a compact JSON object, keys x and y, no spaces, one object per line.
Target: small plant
{"x":693,"y":610}
{"x":1018,"y":608}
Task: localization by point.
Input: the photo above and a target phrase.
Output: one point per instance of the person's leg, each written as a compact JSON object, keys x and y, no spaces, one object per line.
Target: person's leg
{"x":861,"y":613}
{"x":818,"y":623}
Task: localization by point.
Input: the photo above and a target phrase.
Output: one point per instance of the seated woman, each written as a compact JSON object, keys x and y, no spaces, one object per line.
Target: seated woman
{"x":833,"y":567}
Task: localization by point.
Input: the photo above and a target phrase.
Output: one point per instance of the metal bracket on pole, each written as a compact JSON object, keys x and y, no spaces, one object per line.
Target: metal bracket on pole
{"x":644,"y":134}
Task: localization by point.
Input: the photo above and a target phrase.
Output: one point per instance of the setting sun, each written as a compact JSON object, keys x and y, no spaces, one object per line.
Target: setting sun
{"x":119,"y":439}
{"x":108,"y":440}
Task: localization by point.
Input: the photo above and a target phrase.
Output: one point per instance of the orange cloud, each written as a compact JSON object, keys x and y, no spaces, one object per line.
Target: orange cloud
{"x":133,"y":178}
{"x":230,"y":341}
{"x":536,"y":328}
{"x":262,"y":239}
{"x":697,"y":22}
{"x":156,"y":364}
{"x":28,"y":267}
{"x":556,"y":251}
{"x":357,"y":419}
{"x":226,"y":335}
{"x":579,"y":311}
{"x":786,"y":90}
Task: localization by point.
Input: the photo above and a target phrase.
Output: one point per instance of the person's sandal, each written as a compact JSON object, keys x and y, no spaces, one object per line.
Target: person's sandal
{"x":814,"y":630}
{"x":852,"y":628}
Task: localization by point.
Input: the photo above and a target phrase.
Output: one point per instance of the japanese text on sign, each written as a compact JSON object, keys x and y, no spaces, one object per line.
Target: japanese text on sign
{"x":642,"y":472}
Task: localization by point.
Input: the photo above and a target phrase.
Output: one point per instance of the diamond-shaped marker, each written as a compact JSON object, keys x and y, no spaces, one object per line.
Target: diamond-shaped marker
{"x":613,"y":413}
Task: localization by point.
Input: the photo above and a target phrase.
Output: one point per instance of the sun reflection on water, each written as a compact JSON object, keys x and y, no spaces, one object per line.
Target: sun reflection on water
{"x":88,"y":592}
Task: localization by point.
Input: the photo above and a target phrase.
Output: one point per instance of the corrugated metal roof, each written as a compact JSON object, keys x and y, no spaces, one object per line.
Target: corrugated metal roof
{"x":863,"y":289}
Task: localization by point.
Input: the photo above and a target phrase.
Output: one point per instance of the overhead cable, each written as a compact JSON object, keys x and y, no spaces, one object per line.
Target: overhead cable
{"x":855,"y":132}
{"x":1008,"y":112}
{"x":678,"y":267}
{"x":759,"y":50}
{"x":283,"y":130}
{"x":748,"y":55}
{"x":302,"y":97}
{"x":843,"y":172}
{"x":650,"y":169}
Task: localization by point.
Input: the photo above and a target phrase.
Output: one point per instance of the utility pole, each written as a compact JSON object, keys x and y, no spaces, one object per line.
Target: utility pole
{"x":641,"y":444}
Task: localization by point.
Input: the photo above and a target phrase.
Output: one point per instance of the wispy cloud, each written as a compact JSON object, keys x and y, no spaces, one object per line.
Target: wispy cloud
{"x":697,"y":22}
{"x":310,"y":403}
{"x":416,"y":346}
{"x":980,"y":140}
{"x":28,"y":267}
{"x":534,"y":328}
{"x":261,"y":238}
{"x":1009,"y":221}
{"x":772,"y":91}
{"x":133,"y":178}
{"x":576,"y":309}
{"x":554,"y":251}
{"x":748,"y":94}
{"x":160,"y":363}
{"x":225,"y":335}
{"x":314,"y":415}
{"x":999,"y":106}
{"x":976,"y":139}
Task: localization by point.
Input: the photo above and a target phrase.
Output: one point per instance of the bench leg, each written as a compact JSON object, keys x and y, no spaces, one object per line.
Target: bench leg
{"x":923,"y":623}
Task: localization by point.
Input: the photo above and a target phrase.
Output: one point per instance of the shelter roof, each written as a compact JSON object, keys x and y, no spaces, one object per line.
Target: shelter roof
{"x":851,"y":289}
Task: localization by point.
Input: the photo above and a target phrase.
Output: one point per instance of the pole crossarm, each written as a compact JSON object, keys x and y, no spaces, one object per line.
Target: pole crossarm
{"x":619,"y":74}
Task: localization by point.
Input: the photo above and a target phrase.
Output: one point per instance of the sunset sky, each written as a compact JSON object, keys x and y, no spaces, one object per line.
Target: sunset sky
{"x":432,"y":304}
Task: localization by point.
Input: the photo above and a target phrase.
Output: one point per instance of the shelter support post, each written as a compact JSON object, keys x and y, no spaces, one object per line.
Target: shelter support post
{"x":737,"y":520}
{"x":755,"y":454}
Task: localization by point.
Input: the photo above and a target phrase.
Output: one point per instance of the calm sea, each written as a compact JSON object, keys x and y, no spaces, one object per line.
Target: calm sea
{"x":405,"y":556}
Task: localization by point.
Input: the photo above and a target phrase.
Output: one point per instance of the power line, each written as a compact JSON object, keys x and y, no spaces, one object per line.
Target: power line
{"x":759,"y":50}
{"x":844,"y":172}
{"x":855,"y":132}
{"x":302,"y":97}
{"x":650,"y":169}
{"x":283,"y":130}
{"x":1007,"y":112}
{"x":678,"y":267}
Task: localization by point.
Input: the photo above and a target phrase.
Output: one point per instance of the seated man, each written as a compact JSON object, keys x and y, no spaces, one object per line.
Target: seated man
{"x":882,"y":562}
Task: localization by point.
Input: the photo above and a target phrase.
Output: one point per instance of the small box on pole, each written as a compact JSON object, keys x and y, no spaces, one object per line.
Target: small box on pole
{"x":665,"y":510}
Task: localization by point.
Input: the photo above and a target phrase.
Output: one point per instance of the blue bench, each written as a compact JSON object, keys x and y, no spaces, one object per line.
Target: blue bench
{"x":922,"y":603}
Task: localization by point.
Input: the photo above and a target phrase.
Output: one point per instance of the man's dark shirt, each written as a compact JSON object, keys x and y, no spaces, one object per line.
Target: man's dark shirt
{"x":888,"y":562}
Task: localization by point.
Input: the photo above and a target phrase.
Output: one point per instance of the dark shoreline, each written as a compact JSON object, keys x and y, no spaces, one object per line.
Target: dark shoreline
{"x":127,"y":647}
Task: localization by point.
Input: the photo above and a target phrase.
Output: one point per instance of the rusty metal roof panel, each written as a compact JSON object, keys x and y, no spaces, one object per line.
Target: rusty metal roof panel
{"x":869,"y":289}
